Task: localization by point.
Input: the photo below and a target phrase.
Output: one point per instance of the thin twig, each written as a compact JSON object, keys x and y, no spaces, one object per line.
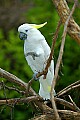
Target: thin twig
{"x":59,"y":61}
{"x":66,"y":103}
{"x":68,"y":88}
{"x":4,"y":90}
{"x":12,"y":88}
{"x":52,"y":49}
{"x":21,"y":100}
{"x":12,"y":78}
{"x":74,"y":103}
{"x":15,"y":89}
{"x":73,"y":87}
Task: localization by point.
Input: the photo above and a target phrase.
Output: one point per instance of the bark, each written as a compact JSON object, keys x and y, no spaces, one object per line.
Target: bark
{"x":64,"y":114}
{"x":64,"y":11}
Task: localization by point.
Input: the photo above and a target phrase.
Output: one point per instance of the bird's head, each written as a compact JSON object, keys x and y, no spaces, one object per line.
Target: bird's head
{"x":28,"y":29}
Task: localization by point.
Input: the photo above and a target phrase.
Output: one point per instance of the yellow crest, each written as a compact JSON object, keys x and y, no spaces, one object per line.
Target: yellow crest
{"x":38,"y":26}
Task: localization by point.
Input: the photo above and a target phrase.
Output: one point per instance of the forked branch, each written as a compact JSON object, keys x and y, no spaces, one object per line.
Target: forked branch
{"x":64,"y":11}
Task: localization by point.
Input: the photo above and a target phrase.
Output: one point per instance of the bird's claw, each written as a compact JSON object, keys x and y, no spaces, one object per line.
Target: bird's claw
{"x":35,"y":76}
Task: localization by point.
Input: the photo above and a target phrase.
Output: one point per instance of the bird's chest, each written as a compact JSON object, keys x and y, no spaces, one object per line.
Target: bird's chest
{"x":34,"y":56}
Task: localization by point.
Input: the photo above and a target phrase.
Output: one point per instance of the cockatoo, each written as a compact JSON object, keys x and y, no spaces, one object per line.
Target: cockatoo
{"x":37,"y":51}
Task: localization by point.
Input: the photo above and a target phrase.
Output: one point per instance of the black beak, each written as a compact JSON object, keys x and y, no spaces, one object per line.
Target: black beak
{"x":22,"y":36}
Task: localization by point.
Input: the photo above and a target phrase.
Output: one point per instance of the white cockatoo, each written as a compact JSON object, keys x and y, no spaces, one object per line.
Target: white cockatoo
{"x":37,"y":51}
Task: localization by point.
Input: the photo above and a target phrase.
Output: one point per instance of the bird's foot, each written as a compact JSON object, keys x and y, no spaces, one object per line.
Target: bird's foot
{"x":35,"y":76}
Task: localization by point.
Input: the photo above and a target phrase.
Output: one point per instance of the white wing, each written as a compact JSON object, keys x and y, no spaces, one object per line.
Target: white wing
{"x":41,"y":49}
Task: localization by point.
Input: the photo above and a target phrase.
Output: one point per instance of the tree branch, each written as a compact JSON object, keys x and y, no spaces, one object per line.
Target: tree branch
{"x":68,"y":88}
{"x":12,"y":88}
{"x":66,"y":104}
{"x":64,"y":114}
{"x":12,"y":78}
{"x":64,"y":11}
{"x":52,"y":49}
{"x":20,"y":100}
{"x":58,"y":63}
{"x":37,"y":98}
{"x":74,"y":104}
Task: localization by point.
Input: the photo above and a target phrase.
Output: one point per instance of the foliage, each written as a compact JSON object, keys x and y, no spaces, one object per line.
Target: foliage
{"x":12,"y":58}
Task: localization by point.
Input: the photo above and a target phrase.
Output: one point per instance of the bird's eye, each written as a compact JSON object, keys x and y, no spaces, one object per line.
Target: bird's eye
{"x":26,"y":30}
